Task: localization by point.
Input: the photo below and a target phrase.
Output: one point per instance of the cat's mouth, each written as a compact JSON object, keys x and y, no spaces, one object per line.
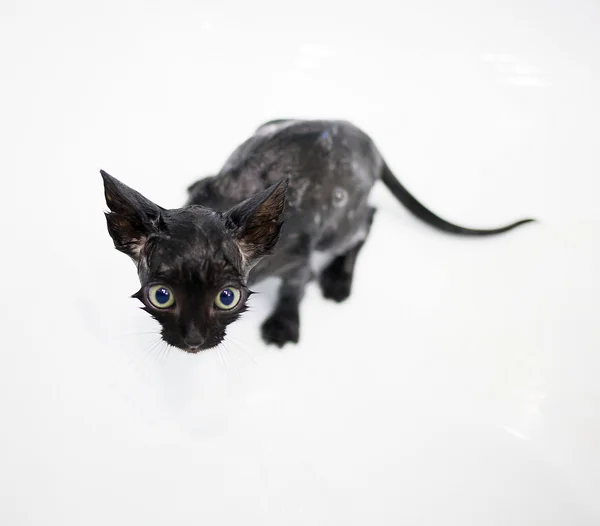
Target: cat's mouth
{"x":195,"y":349}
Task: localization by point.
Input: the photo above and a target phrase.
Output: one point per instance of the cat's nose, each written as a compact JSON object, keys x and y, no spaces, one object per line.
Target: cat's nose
{"x":194,"y":342}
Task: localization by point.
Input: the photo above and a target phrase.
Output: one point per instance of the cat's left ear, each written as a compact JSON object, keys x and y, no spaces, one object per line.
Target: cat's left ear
{"x":132,"y":217}
{"x":256,"y":222}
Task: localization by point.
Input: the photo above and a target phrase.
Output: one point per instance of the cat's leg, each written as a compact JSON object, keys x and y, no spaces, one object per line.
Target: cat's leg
{"x":283,"y":325}
{"x":336,"y":278}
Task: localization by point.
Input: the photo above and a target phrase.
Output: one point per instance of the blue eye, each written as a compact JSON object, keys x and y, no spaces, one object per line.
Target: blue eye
{"x":161,"y":296}
{"x":228,"y":298}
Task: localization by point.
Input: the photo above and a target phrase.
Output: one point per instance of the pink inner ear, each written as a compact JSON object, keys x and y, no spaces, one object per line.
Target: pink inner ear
{"x":247,"y":253}
{"x":126,"y":235}
{"x":257,"y":222}
{"x":261,"y":232}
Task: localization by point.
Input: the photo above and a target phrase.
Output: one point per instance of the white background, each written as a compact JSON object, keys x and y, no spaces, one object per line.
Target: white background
{"x":458,"y":386}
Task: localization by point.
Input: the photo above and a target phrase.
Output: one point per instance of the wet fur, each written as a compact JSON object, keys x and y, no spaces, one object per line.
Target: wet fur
{"x":292,"y":189}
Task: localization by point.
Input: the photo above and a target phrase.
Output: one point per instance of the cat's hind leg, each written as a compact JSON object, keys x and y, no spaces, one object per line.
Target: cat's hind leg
{"x":336,"y":278}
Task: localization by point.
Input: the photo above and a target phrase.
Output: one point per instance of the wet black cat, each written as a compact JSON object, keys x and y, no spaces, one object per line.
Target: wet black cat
{"x":292,"y":189}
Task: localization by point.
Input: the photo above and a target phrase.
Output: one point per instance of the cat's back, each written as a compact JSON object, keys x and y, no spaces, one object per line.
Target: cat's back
{"x":298,"y":146}
{"x":316,"y":155}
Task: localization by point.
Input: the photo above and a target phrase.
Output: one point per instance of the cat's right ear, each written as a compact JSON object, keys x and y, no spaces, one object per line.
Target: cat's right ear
{"x":132,"y":217}
{"x":256,"y":222}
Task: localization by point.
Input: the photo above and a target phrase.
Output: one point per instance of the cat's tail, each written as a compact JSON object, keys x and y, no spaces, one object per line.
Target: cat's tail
{"x":417,"y":209}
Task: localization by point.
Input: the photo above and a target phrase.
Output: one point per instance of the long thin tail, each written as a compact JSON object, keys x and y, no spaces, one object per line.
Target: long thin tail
{"x":429,"y":217}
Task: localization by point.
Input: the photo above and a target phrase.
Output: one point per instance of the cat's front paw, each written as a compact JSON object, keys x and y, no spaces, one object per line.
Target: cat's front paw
{"x":281,"y":328}
{"x":335,"y":285}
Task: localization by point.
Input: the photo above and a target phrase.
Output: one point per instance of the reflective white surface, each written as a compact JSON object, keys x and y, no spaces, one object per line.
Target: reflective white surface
{"x":458,"y":386}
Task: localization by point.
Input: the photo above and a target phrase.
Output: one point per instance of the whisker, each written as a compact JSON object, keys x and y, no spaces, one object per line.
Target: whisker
{"x":128,"y":334}
{"x":220,"y":355}
{"x":149,"y":350}
{"x":227,"y":357}
{"x":135,"y":361}
{"x":157,"y":348}
{"x":232,"y":358}
{"x":238,"y":345}
{"x":156,"y":360}
{"x":167,"y":351}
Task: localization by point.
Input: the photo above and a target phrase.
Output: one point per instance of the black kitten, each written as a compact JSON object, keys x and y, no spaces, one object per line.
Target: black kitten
{"x":294,"y":188}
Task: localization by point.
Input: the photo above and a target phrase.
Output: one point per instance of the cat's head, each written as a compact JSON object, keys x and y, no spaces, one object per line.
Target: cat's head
{"x":193,"y":262}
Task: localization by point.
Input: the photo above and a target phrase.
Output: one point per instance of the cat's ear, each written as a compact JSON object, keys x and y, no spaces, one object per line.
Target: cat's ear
{"x":132,"y":217}
{"x":256,"y":222}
